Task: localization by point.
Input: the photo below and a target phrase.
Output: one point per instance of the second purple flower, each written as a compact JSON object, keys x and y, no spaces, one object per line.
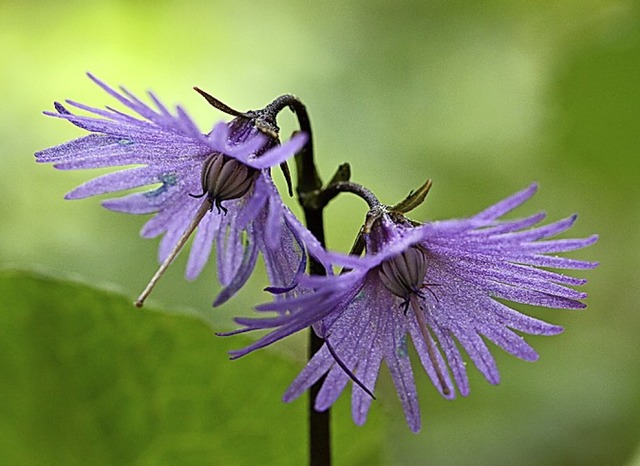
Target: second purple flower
{"x":216,"y":184}
{"x":439,"y":285}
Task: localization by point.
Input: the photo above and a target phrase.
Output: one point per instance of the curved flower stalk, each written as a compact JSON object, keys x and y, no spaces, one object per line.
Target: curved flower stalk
{"x":218,"y":183}
{"x":436,"y":285}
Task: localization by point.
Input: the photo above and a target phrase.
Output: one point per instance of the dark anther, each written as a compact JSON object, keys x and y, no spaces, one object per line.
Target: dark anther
{"x":404,"y":306}
{"x":426,"y":286}
{"x":220,"y":207}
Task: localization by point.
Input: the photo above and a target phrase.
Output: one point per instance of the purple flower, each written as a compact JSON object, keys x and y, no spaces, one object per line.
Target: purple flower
{"x":437,"y":285}
{"x":228,"y":168}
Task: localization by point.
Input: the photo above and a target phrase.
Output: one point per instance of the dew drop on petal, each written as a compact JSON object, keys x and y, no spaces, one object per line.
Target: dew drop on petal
{"x":402,"y":350}
{"x":359,"y":296}
{"x":167,"y":179}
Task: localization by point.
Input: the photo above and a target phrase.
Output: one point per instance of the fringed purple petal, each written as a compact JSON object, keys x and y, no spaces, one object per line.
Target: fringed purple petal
{"x":284,"y":263}
{"x":249,"y":257}
{"x":187,"y":126}
{"x":507,"y":205}
{"x":479,"y":354}
{"x":500,"y":279}
{"x":305,"y":310}
{"x":176,"y":227}
{"x":158,"y":224}
{"x":353,"y":332}
{"x":114,"y":123}
{"x":399,"y":366}
{"x":202,"y":244}
{"x":560,"y":245}
{"x":110,"y":114}
{"x":538,"y":233}
{"x":555,"y":262}
{"x":275,"y":156}
{"x":317,"y":366}
{"x":255,"y":202}
{"x":518,"y":321}
{"x":368,"y":262}
{"x":510,"y":342}
{"x":140,"y":203}
{"x":508,"y":226}
{"x":119,"y":144}
{"x":230,"y":251}
{"x":162,"y":119}
{"x":274,"y":223}
{"x":294,"y":304}
{"x":453,"y":356}
{"x":304,"y":236}
{"x":219,"y":139}
{"x":285,"y":326}
{"x":331,"y":389}
{"x":367,"y":371}
{"x":119,"y":181}
{"x":164,"y":111}
{"x":425,"y":360}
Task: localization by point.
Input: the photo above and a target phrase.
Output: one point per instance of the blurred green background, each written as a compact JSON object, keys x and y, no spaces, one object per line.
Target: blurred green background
{"x":483,"y":98}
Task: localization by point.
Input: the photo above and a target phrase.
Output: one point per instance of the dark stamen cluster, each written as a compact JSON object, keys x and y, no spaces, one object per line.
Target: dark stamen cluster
{"x":404,"y":274}
{"x":225,"y":178}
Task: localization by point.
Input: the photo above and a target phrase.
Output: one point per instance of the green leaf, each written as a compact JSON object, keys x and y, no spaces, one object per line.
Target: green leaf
{"x":88,"y":379}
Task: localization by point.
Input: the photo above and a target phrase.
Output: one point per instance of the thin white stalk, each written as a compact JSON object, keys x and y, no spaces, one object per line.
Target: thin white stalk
{"x":426,"y":336}
{"x":204,"y":208}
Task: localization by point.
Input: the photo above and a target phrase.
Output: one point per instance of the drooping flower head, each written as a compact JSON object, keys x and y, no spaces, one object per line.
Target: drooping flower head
{"x":219,"y":183}
{"x":436,"y":285}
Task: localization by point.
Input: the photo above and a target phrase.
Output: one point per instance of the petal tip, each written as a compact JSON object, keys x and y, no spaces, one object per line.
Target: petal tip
{"x":221,"y":299}
{"x":61,"y":109}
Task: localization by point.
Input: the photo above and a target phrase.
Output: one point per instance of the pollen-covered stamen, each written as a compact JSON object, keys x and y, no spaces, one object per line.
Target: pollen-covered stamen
{"x":224,"y":178}
{"x":404,"y":276}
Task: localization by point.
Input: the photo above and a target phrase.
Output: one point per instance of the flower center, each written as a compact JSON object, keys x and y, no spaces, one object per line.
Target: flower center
{"x":404,"y":274}
{"x":224,"y":178}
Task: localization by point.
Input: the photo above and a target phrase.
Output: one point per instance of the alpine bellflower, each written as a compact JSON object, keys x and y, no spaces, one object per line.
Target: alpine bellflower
{"x":443,"y":285}
{"x":218,"y":183}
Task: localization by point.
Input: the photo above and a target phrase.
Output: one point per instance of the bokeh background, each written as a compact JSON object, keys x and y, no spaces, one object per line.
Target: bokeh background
{"x":481,"y":97}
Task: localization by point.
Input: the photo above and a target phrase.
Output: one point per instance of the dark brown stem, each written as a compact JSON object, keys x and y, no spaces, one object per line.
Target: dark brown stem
{"x":309,"y":184}
{"x":333,"y":189}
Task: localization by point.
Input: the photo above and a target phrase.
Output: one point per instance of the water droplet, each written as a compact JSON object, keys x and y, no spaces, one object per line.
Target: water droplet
{"x":402,"y":350}
{"x":125,"y":142}
{"x":167,"y":180}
